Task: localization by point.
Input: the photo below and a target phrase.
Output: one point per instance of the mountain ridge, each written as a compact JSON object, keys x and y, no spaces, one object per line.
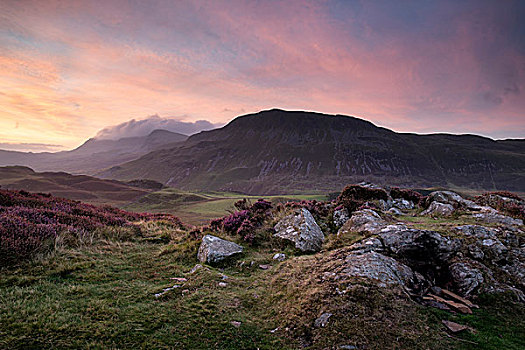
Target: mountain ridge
{"x":275,"y":151}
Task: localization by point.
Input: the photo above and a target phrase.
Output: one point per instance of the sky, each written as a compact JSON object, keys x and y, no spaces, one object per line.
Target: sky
{"x":69,"y":69}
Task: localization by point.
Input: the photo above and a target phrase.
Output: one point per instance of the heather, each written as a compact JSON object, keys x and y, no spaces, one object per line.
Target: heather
{"x":31,"y":223}
{"x":507,"y":202}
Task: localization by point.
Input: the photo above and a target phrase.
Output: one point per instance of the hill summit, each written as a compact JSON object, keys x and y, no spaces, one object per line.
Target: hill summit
{"x":278,"y":151}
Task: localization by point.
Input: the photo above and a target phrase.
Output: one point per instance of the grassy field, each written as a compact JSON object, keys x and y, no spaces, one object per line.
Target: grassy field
{"x":103,"y":296}
{"x":200,"y":207}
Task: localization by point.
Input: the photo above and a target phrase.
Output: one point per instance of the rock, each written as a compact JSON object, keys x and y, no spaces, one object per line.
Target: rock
{"x":215,"y":250}
{"x":403,"y":204}
{"x":459,"y":299}
{"x":195,"y":269}
{"x":265,"y":267}
{"x":492,"y":217}
{"x":368,"y":245}
{"x":223,"y":284}
{"x":464,"y":309}
{"x":418,"y":246}
{"x":395,"y":211}
{"x":385,"y":205}
{"x":438,"y":209}
{"x":236,"y":324}
{"x":475,"y":252}
{"x":301,"y":229}
{"x":340,"y":217}
{"x":454,"y":327}
{"x":322,"y":320}
{"x":476,"y":231}
{"x":381,"y":268}
{"x":279,"y":257}
{"x":347,"y":347}
{"x":363,"y":221}
{"x":454,"y":199}
{"x":466,"y":278}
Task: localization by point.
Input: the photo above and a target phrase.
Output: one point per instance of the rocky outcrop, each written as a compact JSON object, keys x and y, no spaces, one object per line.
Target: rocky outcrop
{"x":301,"y":229}
{"x":438,"y":209}
{"x":465,"y":277}
{"x":493,"y":217}
{"x":364,"y":221}
{"x":381,"y":268}
{"x":453,"y":199}
{"x":214,"y":250}
{"x":403,"y":204}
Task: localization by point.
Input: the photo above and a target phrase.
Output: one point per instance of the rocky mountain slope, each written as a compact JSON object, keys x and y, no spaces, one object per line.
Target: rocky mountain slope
{"x":278,"y":151}
{"x":94,"y":154}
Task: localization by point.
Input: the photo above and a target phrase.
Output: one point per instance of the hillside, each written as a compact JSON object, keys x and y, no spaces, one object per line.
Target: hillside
{"x":278,"y":151}
{"x":94,"y":154}
{"x":358,"y":272}
{"x":76,"y":187}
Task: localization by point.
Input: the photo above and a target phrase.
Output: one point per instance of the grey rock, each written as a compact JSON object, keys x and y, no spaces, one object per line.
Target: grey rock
{"x":340,"y":217}
{"x":438,"y":209}
{"x":477,"y":231}
{"x":395,"y":211}
{"x":454,"y":199}
{"x":301,"y":229}
{"x":418,"y":246}
{"x":466,"y":277}
{"x":492,"y":217}
{"x":279,"y":257}
{"x":384,"y":269}
{"x":385,"y":205}
{"x":367,"y":245}
{"x":475,"y":252}
{"x":364,"y":221}
{"x":403,"y":204}
{"x":322,"y":320}
{"x":214,"y":250}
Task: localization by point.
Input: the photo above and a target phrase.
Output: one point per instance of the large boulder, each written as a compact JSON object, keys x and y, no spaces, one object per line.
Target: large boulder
{"x":381,"y":268}
{"x":403,"y":204}
{"x":438,"y":209}
{"x":301,"y":229}
{"x":214,"y":250}
{"x":364,"y":221}
{"x":452,"y":198}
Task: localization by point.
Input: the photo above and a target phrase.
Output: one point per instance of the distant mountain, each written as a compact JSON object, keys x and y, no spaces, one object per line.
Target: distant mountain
{"x":76,"y":187}
{"x":95,"y":154}
{"x":279,"y":151}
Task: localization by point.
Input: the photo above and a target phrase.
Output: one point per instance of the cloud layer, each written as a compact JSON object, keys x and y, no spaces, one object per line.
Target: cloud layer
{"x":70,"y":68}
{"x":145,"y":126}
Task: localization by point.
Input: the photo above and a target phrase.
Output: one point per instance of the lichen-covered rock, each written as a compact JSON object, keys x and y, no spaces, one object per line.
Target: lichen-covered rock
{"x":214,"y":250}
{"x":384,"y":269}
{"x":438,"y":209}
{"x":403,"y":204}
{"x":480,"y":232}
{"x":493,"y":217}
{"x":453,"y":199}
{"x":301,"y":229}
{"x":465,"y":277}
{"x":395,"y":211}
{"x":366,"y":221}
{"x":340,"y":217}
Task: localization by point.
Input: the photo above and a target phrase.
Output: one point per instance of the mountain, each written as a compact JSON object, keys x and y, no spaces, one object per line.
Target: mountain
{"x":76,"y":187}
{"x":278,"y":151}
{"x":95,"y":154}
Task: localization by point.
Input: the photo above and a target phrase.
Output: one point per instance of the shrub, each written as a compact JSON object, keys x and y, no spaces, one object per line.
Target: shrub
{"x":354,"y":196}
{"x":232,"y":222}
{"x":407,"y":194}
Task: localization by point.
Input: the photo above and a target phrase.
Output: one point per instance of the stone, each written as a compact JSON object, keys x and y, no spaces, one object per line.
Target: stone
{"x":466,"y":278}
{"x":418,"y":246}
{"x":477,"y":231}
{"x":395,"y":211}
{"x":340,"y":217}
{"x":453,"y":199}
{"x":492,"y":217}
{"x":279,"y":257}
{"x":459,"y":298}
{"x":363,"y":221}
{"x":403,"y":204}
{"x":301,"y":229}
{"x":384,"y":269}
{"x":236,"y":324}
{"x":475,"y":252}
{"x":438,"y":209}
{"x":322,"y":320}
{"x":454,"y":327}
{"x":265,"y":267}
{"x":214,"y":250}
{"x":367,"y":245}
{"x":223,"y":284}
